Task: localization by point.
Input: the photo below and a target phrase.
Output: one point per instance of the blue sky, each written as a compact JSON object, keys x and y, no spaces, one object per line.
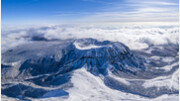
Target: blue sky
{"x":63,"y":11}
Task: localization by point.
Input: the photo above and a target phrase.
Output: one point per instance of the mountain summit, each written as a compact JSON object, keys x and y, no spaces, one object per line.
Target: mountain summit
{"x":96,"y":56}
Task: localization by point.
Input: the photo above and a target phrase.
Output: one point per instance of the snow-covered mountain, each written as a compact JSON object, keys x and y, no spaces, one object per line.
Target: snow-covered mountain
{"x":47,"y":69}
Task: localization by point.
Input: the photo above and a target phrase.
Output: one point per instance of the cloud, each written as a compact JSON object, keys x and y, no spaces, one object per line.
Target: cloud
{"x":159,"y":3}
{"x":129,"y":11}
{"x":135,"y":36}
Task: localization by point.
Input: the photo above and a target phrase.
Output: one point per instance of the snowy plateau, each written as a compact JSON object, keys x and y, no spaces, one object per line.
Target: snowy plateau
{"x":90,"y":63}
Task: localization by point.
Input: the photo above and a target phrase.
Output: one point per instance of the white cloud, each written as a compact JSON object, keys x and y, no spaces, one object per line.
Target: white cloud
{"x":132,"y":11}
{"x":132,"y":35}
{"x":159,"y":3}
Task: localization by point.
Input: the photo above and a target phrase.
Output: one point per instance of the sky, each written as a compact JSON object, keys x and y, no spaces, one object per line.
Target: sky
{"x":86,"y":11}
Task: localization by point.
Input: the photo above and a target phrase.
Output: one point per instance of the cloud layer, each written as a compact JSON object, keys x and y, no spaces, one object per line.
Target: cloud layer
{"x":133,"y":35}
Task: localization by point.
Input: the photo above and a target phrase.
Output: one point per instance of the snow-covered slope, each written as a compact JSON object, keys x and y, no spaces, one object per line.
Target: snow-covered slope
{"x":88,"y":69}
{"x":87,"y":87}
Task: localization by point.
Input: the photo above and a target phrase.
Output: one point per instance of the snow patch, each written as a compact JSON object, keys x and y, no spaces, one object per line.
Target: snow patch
{"x":122,"y":80}
{"x":171,"y":81}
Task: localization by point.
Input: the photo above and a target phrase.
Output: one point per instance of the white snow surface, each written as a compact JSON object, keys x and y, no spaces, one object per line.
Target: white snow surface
{"x":171,"y":81}
{"x":91,"y":46}
{"x":88,"y":87}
